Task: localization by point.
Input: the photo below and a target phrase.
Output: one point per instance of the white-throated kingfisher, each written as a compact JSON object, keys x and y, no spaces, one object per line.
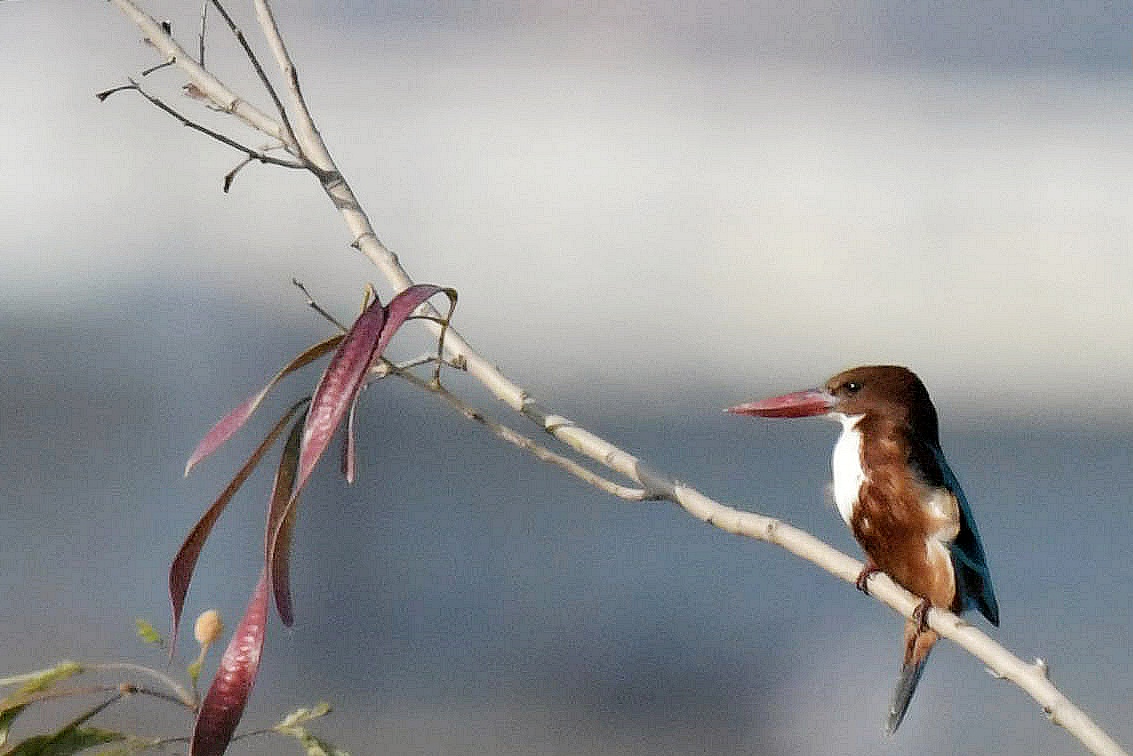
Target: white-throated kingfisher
{"x":902,"y":502}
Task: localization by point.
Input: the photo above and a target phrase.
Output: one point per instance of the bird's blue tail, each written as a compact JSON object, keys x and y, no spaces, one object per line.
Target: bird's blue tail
{"x":903,"y":693}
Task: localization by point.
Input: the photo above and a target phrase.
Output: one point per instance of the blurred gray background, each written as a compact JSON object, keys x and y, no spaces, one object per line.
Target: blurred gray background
{"x":651,"y":211}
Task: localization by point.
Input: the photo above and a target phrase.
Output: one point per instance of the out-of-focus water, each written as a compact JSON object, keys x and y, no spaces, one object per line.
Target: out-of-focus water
{"x":463,"y":598}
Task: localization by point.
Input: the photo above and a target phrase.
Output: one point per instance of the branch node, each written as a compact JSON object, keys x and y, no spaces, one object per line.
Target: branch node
{"x":357,"y":243}
{"x":159,"y":66}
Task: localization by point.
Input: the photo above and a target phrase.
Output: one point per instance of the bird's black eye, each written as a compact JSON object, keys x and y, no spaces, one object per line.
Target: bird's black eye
{"x":853,"y":387}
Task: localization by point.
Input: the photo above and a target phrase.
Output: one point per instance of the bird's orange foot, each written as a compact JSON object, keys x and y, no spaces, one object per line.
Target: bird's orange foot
{"x":863,"y":576}
{"x":920,"y":615}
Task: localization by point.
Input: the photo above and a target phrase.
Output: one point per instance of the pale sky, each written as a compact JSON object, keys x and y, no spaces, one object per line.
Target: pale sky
{"x":631,"y":198}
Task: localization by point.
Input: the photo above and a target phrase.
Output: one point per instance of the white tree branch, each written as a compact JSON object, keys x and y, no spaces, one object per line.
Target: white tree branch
{"x":310,"y":147}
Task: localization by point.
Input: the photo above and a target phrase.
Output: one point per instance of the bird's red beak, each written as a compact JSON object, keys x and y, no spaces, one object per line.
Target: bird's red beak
{"x":799,"y":404}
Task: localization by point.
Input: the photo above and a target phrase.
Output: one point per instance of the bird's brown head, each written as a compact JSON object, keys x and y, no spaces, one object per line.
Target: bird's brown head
{"x":883,"y":391}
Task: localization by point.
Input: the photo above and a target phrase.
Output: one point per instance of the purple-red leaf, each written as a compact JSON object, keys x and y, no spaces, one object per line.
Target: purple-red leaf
{"x":224,"y":703}
{"x":280,"y":522}
{"x":181,"y":570}
{"x":340,"y":383}
{"x":235,"y":419}
{"x":334,"y":397}
{"x":349,"y":463}
{"x":402,"y":306}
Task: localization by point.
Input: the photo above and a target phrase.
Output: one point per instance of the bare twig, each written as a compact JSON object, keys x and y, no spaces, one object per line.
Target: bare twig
{"x":253,"y":154}
{"x":316,"y":306}
{"x":209,"y":86}
{"x":201,"y":34}
{"x":259,"y":69}
{"x":180,"y":694}
{"x":515,"y":438}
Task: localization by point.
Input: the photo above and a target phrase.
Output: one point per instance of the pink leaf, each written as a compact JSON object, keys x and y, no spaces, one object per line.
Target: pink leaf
{"x":340,"y":383}
{"x":235,"y":419}
{"x":349,"y":462}
{"x":224,"y":703}
{"x":402,"y":306}
{"x":181,"y":569}
{"x":280,"y":522}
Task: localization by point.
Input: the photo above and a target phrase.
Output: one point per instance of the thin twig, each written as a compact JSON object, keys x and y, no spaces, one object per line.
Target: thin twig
{"x":181,"y":695}
{"x":158,"y":67}
{"x":209,"y":86}
{"x":252,"y":154}
{"x":517,"y":439}
{"x":259,"y":69}
{"x":316,"y":306}
{"x":201,"y":34}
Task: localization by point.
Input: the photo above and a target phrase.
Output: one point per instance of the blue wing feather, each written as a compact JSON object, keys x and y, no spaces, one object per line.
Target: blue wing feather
{"x":973,"y":579}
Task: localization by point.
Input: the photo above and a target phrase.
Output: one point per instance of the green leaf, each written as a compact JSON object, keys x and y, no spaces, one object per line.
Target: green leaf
{"x":301,"y":716}
{"x":67,"y":741}
{"x":312,"y":746}
{"x":194,"y":670}
{"x":43,"y":678}
{"x":6,"y":719}
{"x":30,"y":682}
{"x":291,"y":725}
{"x":148,"y":634}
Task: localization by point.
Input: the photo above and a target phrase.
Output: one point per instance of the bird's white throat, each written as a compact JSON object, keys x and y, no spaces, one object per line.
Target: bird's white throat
{"x":847,"y":463}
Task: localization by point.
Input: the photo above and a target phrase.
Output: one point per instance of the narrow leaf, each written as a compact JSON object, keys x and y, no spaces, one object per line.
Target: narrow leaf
{"x":339,"y":385}
{"x":304,"y":715}
{"x":31,"y":683}
{"x":41,"y":679}
{"x":72,"y":737}
{"x":280,"y":523}
{"x":235,"y":419}
{"x":67,"y":741}
{"x":403,"y":305}
{"x":181,"y":569}
{"x":336,"y":391}
{"x":349,"y":454}
{"x":312,"y":745}
{"x":224,"y":703}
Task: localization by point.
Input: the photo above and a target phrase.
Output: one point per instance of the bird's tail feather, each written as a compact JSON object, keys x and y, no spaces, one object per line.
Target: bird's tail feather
{"x":903,"y":693}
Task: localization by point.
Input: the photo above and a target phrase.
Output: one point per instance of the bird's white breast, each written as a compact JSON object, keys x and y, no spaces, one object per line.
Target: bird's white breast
{"x":847,"y":463}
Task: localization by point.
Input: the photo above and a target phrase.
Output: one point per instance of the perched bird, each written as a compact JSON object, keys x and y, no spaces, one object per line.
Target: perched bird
{"x":902,"y":502}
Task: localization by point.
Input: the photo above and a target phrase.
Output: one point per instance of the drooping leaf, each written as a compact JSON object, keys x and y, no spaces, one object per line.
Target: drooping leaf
{"x":343,"y":380}
{"x":224,"y":703}
{"x":181,"y":569}
{"x":67,"y":741}
{"x":344,"y":377}
{"x":280,"y":524}
{"x":397,"y":312}
{"x":349,"y":455}
{"x":235,"y":419}
{"x":339,"y":384}
{"x":41,"y":679}
{"x":71,"y":737}
{"x":30,"y":684}
{"x":402,"y":306}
